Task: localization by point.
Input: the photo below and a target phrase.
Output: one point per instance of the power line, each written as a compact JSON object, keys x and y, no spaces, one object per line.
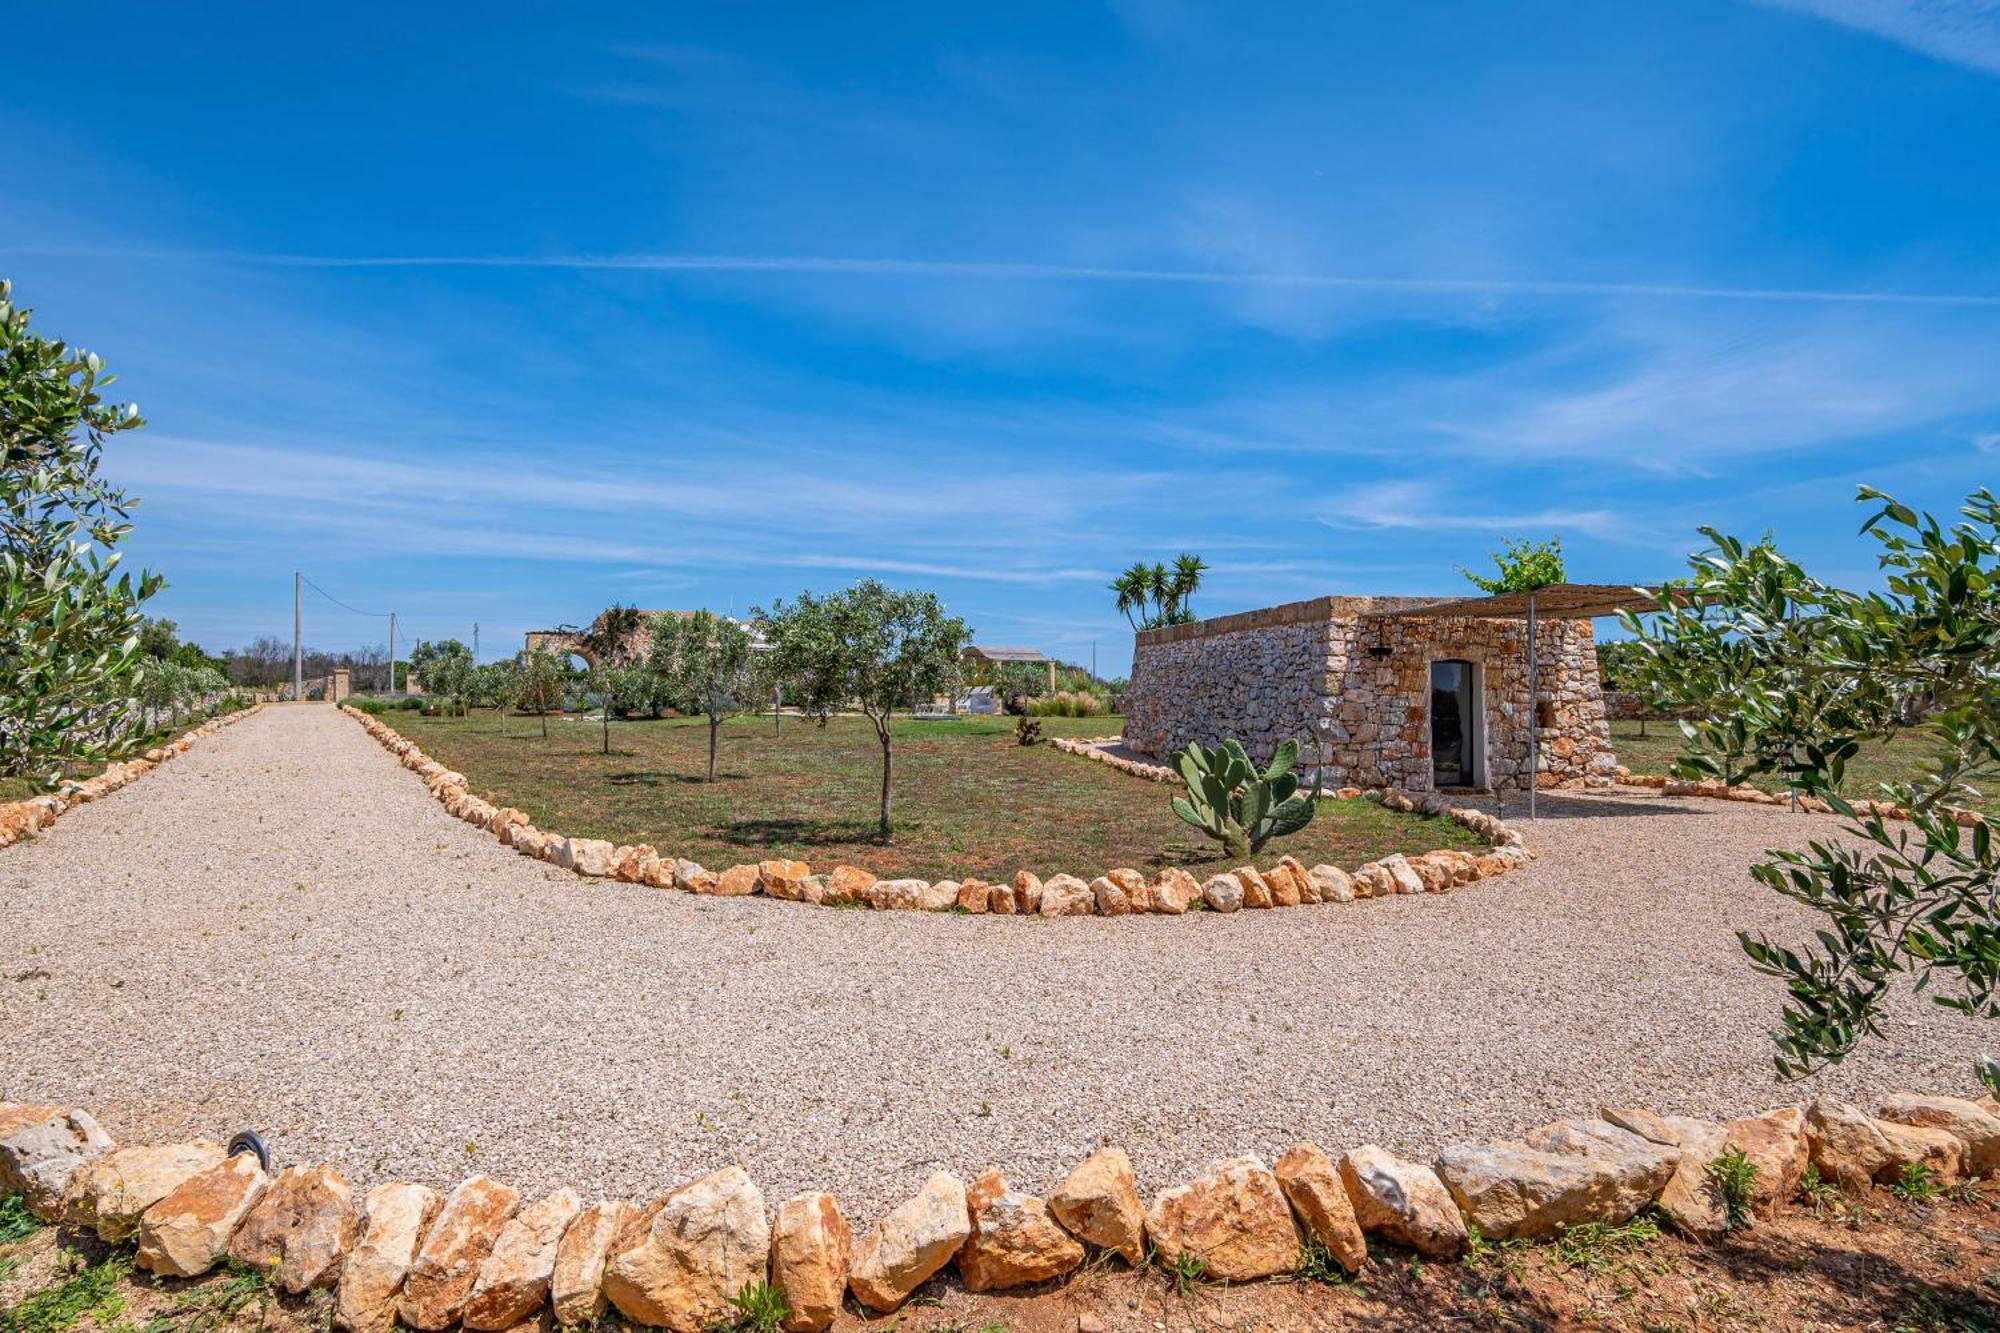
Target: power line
{"x":379,"y":615}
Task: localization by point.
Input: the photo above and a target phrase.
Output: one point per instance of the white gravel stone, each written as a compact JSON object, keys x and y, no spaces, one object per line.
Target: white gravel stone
{"x":282,"y":929}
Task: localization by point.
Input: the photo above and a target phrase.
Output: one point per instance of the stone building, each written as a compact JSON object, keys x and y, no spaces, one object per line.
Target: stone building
{"x":1412,"y":692}
{"x":631,"y":647}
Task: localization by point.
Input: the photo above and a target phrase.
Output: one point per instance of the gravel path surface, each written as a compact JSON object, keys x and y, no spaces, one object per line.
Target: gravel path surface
{"x":280,"y":929}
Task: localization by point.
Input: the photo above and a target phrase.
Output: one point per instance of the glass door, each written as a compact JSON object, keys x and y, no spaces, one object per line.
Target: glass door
{"x":1454,"y":721}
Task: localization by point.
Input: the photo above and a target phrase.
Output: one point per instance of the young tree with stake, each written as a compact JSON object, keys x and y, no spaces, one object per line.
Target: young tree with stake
{"x":869,"y":646}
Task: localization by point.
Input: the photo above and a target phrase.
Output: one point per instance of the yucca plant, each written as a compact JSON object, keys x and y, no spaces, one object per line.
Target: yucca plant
{"x":1238,"y":804}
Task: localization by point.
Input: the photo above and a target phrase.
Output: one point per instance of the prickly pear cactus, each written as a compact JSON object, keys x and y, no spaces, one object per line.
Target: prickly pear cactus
{"x":1239,"y":805}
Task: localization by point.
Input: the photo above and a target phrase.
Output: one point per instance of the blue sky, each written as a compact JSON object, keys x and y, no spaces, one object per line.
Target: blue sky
{"x":495,"y":314}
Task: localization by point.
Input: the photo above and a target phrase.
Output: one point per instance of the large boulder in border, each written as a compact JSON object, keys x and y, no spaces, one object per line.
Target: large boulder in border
{"x":41,"y":1150}
{"x":1853,"y":1149}
{"x":917,"y":1238}
{"x":300,"y":1232}
{"x":1312,"y":1185}
{"x":1233,"y":1217}
{"x":110,"y":1193}
{"x":811,"y":1246}
{"x":1514,"y":1191}
{"x":1014,"y":1241}
{"x":1099,"y":1202}
{"x":188,"y":1230}
{"x":1402,"y":1201}
{"x":576,"y":1287}
{"x":447,"y":1266}
{"x":1066,"y":895}
{"x":708,"y":1240}
{"x":1968,"y":1122}
{"x":399,"y":1216}
{"x":514,"y":1279}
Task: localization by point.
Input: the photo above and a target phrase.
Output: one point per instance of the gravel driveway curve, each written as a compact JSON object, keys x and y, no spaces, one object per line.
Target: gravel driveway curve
{"x":281,"y":929}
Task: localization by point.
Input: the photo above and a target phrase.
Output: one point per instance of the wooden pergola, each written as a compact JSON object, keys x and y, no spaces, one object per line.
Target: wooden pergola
{"x":1029,"y":656}
{"x":1561,"y":601}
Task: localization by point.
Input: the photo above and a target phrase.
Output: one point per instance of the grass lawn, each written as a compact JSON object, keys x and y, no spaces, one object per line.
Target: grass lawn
{"x":968,"y":800}
{"x":1899,"y":760}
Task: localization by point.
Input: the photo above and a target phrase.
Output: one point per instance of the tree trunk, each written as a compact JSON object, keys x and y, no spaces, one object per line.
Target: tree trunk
{"x":882,"y":730}
{"x":607,"y":726}
{"x":714,"y":725}
{"x":545,"y":717}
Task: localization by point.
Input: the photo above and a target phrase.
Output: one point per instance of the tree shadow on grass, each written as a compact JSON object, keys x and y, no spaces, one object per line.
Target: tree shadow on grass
{"x":655,"y":778}
{"x":802,"y":832}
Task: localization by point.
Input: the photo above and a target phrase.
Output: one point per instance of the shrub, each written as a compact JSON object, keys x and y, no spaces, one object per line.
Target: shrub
{"x":1918,"y":1184}
{"x":1066,"y":703}
{"x":1027,"y":731}
{"x":1734,"y":1176}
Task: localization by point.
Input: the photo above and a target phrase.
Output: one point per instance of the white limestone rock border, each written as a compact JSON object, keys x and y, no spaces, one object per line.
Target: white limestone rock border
{"x":21,"y":820}
{"x":676,"y":1263}
{"x":1120,"y":891}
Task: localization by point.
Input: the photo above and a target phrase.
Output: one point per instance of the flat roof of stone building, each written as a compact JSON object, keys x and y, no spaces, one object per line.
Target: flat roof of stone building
{"x":1558,"y":601}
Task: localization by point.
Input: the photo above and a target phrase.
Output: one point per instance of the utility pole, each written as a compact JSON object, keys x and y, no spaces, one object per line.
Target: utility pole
{"x":1093,"y":661}
{"x":475,"y":643}
{"x":298,"y":642}
{"x":392,"y":654}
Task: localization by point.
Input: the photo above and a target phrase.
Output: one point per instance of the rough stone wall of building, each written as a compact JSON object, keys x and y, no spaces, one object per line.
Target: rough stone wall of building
{"x":1360,"y":684}
{"x":1261,"y":681}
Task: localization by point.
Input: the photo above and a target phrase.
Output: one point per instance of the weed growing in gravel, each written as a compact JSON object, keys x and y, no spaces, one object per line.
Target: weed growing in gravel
{"x":1595,"y":1246}
{"x":1317,"y":1264}
{"x":1188,"y":1271}
{"x":1734,"y":1177}
{"x":91,"y":1291}
{"x":217,"y":1304}
{"x":760,"y":1308}
{"x":1819,"y":1194}
{"x":16,"y":1222}
{"x":1917,"y":1184}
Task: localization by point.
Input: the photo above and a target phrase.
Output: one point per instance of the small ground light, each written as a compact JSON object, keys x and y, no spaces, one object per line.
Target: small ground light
{"x":250,"y":1141}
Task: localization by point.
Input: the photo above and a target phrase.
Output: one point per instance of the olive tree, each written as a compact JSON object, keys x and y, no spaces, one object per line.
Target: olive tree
{"x":606,"y":642}
{"x":867,"y":646}
{"x":1783,"y":675}
{"x":537,"y":681}
{"x":706,"y":659}
{"x":445,"y":667}
{"x":69,"y":616}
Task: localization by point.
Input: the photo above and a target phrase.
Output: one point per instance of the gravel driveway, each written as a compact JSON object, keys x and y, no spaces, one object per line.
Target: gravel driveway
{"x":280,"y":929}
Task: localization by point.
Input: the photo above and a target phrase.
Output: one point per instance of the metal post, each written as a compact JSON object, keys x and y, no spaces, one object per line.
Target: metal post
{"x":1534,"y":714}
{"x":298,"y":642}
{"x":392,"y":654}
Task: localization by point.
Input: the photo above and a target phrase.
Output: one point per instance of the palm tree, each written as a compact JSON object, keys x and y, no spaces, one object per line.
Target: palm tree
{"x":1188,"y":570}
{"x":1132,"y":588}
{"x":1158,"y":586}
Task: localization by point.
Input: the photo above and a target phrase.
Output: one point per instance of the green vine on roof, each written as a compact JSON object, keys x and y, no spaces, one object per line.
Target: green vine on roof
{"x":1523,"y":565}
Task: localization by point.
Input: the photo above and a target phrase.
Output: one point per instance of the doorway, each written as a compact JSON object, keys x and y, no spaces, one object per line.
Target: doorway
{"x":1455,"y":724}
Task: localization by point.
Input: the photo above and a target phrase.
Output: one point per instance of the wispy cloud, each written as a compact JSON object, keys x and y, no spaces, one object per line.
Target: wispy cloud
{"x":1427,"y":505}
{"x":999,"y":270}
{"x":1965,"y":32}
{"x":1987,"y":442}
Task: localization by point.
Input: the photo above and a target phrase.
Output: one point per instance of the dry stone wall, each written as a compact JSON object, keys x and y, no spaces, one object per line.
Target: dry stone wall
{"x":1353,"y":685}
